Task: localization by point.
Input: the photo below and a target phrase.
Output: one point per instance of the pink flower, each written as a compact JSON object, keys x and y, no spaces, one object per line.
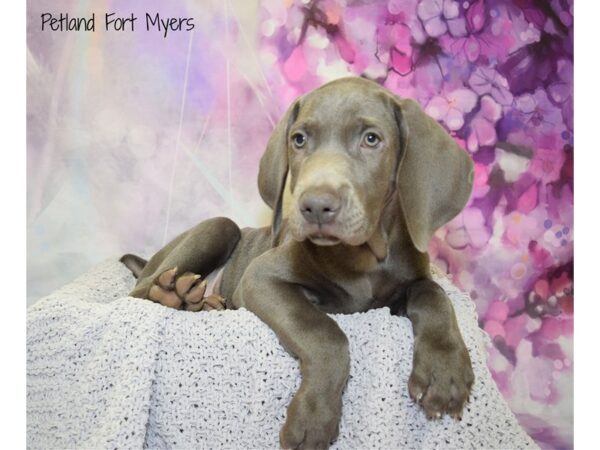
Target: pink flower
{"x":528,"y":200}
{"x":483,"y":126}
{"x":476,"y":16}
{"x":547,"y":164}
{"x":520,"y":229}
{"x":452,"y":107}
{"x":490,"y":41}
{"x":468,"y":228}
{"x":480,"y":181}
{"x":397,"y":39}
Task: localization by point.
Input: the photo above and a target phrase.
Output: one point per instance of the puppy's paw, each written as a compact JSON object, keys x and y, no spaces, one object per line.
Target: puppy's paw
{"x":185,"y":291}
{"x":441,"y":378}
{"x":312,"y":423}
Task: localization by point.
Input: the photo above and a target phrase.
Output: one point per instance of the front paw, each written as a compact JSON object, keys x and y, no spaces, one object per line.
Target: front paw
{"x":441,"y":378}
{"x":312,"y":422}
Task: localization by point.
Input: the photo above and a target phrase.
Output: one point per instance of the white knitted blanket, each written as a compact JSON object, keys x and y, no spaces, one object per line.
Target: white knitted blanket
{"x":108,"y":371}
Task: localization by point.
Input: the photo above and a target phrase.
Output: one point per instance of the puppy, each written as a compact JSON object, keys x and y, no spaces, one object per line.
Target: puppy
{"x":372,"y":178}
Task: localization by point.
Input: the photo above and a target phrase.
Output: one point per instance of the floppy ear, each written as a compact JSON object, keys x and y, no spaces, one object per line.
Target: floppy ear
{"x":435,"y":175}
{"x":273,"y":169}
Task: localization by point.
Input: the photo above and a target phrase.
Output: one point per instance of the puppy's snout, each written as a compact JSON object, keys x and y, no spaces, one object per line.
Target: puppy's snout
{"x":319,"y":206}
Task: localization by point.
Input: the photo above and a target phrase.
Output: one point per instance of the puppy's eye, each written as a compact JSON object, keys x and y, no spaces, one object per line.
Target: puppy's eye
{"x":299,"y":140}
{"x":371,"y":140}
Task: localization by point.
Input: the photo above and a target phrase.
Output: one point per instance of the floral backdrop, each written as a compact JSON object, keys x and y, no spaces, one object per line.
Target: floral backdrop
{"x":134,"y":137}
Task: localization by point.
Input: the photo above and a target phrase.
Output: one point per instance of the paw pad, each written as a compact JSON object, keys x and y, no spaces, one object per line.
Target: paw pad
{"x":185,"y":291}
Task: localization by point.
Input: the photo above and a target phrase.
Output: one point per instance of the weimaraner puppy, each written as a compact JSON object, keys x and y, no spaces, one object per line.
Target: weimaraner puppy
{"x":372,"y":178}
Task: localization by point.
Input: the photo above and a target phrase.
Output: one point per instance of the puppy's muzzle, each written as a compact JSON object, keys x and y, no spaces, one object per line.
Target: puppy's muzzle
{"x":320,"y":205}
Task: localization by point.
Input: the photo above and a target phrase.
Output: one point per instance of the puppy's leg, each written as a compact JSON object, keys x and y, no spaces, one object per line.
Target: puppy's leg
{"x":309,"y":334}
{"x":173,"y":275}
{"x":442,"y":376}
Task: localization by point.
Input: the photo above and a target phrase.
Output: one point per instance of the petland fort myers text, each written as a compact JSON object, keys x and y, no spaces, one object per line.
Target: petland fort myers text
{"x":114,"y":22}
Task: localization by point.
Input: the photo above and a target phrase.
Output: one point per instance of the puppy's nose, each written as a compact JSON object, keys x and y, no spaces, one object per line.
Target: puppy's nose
{"x":319,"y":206}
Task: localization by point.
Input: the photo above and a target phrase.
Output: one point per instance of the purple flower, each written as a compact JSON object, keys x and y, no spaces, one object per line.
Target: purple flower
{"x":538,"y":112}
{"x":439,"y":16}
{"x":485,"y":80}
{"x":561,"y":91}
{"x":534,"y":65}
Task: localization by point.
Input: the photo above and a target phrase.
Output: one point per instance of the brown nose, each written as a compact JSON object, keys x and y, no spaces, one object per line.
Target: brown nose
{"x":319,"y":206}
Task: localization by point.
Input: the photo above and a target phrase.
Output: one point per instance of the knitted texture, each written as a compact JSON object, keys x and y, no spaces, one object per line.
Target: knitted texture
{"x":108,"y":371}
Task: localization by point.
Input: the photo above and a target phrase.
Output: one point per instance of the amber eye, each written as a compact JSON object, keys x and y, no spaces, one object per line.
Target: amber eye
{"x":371,"y":140}
{"x":299,"y":140}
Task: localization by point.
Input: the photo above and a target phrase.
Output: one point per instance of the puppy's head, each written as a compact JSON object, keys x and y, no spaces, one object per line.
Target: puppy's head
{"x":349,"y":147}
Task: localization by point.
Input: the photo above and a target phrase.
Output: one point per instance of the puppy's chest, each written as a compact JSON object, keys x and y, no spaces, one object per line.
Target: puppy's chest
{"x":356,"y":294}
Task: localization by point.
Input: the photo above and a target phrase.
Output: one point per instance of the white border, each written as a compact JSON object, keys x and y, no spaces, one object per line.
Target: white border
{"x":12,"y":198}
{"x":587,"y":220}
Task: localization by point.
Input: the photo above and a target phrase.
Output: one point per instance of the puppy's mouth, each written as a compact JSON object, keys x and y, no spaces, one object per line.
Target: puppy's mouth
{"x":324,"y":235}
{"x":322,"y":238}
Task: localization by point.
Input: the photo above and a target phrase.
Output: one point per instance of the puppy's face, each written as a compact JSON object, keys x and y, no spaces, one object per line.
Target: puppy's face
{"x":343,"y":149}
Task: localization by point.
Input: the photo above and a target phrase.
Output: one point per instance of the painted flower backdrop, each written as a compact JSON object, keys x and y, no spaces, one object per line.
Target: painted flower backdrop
{"x":498,"y":75}
{"x":189,"y":115}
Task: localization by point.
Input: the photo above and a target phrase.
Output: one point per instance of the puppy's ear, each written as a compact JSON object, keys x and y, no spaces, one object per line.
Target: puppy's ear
{"x":434,"y":177}
{"x":273,"y":169}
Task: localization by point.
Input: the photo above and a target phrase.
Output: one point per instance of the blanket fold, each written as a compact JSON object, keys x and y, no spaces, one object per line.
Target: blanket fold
{"x":108,"y":371}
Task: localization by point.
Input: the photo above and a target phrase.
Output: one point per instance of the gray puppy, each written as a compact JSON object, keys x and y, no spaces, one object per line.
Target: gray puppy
{"x":372,"y":178}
